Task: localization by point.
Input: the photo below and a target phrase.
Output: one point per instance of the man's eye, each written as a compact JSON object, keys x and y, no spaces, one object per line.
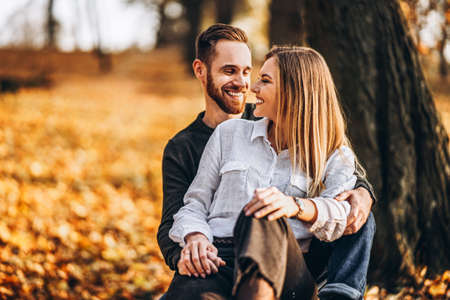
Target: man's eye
{"x":229,"y":71}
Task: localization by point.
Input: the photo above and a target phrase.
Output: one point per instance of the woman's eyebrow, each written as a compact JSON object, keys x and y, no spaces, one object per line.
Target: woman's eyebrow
{"x":265,"y":75}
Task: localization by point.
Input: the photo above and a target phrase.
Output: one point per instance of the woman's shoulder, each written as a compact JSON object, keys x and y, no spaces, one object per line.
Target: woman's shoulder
{"x":341,"y":156}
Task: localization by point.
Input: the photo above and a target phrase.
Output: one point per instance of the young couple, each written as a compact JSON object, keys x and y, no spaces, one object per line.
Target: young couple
{"x":276,"y":208}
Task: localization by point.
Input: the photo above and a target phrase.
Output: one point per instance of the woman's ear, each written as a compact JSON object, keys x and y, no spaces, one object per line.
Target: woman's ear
{"x":199,"y":69}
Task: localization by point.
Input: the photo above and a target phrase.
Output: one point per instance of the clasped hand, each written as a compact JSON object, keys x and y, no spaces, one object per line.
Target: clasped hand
{"x":272,"y":203}
{"x":199,"y":257}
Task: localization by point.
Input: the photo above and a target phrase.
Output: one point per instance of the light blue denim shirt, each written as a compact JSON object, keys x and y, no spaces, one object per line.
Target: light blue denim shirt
{"x":237,"y":159}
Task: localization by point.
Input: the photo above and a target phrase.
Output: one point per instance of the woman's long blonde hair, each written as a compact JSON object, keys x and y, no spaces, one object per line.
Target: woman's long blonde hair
{"x":309,"y":120}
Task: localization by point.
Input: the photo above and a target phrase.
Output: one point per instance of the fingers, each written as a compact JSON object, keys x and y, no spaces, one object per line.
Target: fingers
{"x":272,"y":206}
{"x":182,"y":269}
{"x":343,"y":196}
{"x":355,"y":225}
{"x":276,"y":215}
{"x":202,"y":247}
{"x":187,"y":263}
{"x":199,"y":259}
{"x":259,"y":194}
{"x":351,"y":218}
{"x":213,"y":267}
{"x":216,"y":260}
{"x":195,"y":257}
{"x":262,"y":198}
{"x":212,"y":248}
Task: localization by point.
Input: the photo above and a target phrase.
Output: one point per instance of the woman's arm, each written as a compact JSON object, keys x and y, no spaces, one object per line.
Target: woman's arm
{"x":197,"y":200}
{"x":332,"y":214}
{"x":326,"y":215}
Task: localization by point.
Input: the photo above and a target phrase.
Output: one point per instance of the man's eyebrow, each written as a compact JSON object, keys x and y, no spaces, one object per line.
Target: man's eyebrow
{"x":234,"y":67}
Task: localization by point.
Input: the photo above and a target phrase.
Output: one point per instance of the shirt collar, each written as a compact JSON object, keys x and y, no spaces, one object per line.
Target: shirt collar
{"x":260,"y":128}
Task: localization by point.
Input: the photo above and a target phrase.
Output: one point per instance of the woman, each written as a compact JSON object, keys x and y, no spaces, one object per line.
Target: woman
{"x":286,"y":168}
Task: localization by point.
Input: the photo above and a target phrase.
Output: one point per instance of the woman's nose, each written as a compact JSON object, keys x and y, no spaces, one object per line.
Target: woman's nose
{"x":253,"y":88}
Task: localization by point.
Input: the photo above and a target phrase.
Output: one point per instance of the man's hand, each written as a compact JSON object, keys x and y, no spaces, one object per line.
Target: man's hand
{"x":272,"y":203}
{"x":198,"y":257}
{"x":361,"y":204}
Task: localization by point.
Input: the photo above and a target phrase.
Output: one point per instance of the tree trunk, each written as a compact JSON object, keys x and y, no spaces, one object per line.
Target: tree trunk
{"x":286,"y":22}
{"x":394,"y":127}
{"x":224,"y":10}
{"x":104,"y":59}
{"x":51,"y":25}
{"x":193,"y":16}
{"x":443,"y":69}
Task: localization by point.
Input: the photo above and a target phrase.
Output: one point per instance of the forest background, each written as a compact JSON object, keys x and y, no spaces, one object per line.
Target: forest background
{"x":90,"y":92}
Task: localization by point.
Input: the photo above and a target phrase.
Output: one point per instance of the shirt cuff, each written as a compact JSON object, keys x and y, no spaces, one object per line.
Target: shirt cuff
{"x":179,"y":234}
{"x":328,"y":227}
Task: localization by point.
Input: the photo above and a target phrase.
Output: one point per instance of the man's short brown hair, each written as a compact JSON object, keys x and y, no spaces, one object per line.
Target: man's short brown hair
{"x":206,"y":41}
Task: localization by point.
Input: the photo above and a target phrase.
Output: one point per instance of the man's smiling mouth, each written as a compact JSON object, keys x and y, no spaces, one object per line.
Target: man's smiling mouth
{"x":238,"y":95}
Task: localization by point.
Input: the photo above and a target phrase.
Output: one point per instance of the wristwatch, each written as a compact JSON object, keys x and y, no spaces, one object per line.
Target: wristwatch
{"x":301,"y":206}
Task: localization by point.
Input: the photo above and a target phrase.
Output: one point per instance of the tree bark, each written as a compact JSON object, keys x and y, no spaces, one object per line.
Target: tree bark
{"x":286,"y":23}
{"x":443,"y":65}
{"x":51,"y":25}
{"x":224,"y":10}
{"x":193,"y":16}
{"x":394,"y":127}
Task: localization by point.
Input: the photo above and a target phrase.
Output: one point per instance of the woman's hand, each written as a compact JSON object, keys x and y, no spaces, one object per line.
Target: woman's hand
{"x":199,"y":257}
{"x":272,"y":203}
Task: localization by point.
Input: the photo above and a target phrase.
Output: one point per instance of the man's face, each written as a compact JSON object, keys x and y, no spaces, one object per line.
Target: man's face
{"x":228,"y":76}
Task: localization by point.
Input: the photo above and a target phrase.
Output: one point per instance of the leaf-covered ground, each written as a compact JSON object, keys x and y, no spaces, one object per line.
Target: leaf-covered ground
{"x":80,"y":178}
{"x":80,"y":187}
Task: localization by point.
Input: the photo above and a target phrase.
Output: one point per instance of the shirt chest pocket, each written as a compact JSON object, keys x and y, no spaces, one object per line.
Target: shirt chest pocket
{"x":231,"y":195}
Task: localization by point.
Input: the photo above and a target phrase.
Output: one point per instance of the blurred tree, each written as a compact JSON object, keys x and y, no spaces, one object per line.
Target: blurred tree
{"x":285,"y":25}
{"x":51,"y":25}
{"x":104,"y":59}
{"x":394,"y":127}
{"x":443,"y":64}
{"x":225,"y":10}
{"x":193,"y":14}
{"x":172,"y":25}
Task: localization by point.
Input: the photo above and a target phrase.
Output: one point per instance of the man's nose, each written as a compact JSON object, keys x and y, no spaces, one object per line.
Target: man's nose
{"x":240,"y":81}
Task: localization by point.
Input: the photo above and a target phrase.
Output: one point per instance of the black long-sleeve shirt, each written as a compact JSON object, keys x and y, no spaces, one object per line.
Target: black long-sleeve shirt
{"x":179,"y":167}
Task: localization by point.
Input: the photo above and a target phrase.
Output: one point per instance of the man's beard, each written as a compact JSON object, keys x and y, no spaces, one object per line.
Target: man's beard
{"x":228,"y":107}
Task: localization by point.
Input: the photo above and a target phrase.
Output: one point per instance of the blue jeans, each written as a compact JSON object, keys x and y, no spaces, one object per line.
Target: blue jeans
{"x":346,"y":263}
{"x":341,"y":265}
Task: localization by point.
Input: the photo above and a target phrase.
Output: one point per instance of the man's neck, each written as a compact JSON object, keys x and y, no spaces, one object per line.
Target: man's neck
{"x":214,"y":115}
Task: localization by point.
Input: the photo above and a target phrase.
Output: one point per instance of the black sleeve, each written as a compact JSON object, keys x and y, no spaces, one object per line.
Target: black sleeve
{"x":363,"y":182}
{"x":175,"y":185}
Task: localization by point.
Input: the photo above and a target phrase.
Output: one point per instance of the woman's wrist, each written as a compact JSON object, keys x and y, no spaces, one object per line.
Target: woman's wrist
{"x":307,"y":210}
{"x":301,"y":207}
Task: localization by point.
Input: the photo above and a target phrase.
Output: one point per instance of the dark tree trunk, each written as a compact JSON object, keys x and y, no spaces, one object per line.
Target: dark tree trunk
{"x":394,"y":127}
{"x":104,"y":59}
{"x":193,"y":14}
{"x":286,"y":22}
{"x":224,"y":10}
{"x":443,"y":65}
{"x":51,"y":25}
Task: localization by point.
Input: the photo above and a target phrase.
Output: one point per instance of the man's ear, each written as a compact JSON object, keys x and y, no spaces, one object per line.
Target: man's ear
{"x":199,"y":69}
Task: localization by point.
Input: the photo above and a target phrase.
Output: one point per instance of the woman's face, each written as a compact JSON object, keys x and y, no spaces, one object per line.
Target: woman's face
{"x":265,"y":89}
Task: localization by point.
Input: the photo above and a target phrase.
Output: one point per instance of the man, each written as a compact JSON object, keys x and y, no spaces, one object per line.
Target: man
{"x":223,"y":66}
